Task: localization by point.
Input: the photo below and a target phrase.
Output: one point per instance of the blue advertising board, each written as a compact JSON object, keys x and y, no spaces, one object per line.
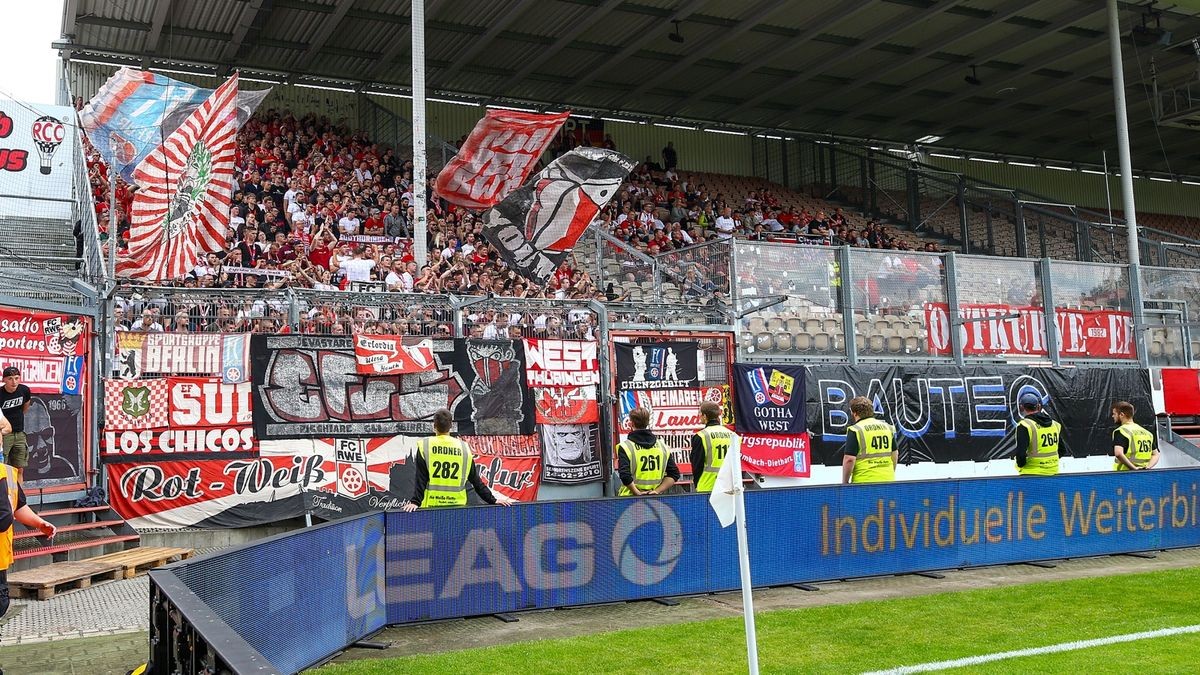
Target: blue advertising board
{"x":483,"y":560}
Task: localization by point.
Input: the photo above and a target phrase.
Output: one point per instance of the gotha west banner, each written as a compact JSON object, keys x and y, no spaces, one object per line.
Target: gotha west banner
{"x":769,"y":399}
{"x":945,"y":413}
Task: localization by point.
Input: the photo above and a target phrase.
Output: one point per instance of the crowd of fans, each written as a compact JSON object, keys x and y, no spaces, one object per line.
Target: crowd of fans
{"x":317,"y":205}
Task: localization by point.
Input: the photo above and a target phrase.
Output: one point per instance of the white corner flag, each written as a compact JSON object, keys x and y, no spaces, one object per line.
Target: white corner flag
{"x":729,"y":503}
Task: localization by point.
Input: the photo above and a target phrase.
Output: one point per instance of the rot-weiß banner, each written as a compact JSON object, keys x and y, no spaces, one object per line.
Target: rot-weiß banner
{"x":1100,"y":334}
{"x":497,"y":157}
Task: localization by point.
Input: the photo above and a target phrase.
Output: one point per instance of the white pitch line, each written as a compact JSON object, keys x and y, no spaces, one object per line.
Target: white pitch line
{"x":1036,"y":651}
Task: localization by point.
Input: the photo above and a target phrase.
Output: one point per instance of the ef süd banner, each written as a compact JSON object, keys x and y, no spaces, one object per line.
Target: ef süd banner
{"x":769,"y":399}
{"x":205,"y":419}
{"x":657,"y":365}
{"x":946,"y":413}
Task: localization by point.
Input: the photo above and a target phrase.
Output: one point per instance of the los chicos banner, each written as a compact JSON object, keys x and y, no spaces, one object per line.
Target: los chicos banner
{"x":769,"y":399}
{"x":1100,"y":334}
{"x":945,"y":413}
{"x":204,"y":419}
{"x":657,"y":365}
{"x":537,"y":225}
{"x":307,"y":386}
{"x":496,"y":157}
{"x":44,"y":347}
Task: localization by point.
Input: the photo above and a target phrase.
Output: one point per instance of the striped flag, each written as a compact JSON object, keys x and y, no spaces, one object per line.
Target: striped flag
{"x":181,"y":210}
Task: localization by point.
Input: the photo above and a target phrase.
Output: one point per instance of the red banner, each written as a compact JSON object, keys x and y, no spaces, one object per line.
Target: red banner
{"x":1181,"y":391}
{"x":183,"y":494}
{"x":497,"y":157}
{"x":208,"y":403}
{"x":204,"y":416}
{"x":561,"y":363}
{"x":510,"y":465}
{"x":670,"y":409}
{"x":777,"y":455}
{"x":38,"y":343}
{"x":565,"y":405}
{"x":1101,"y":334}
{"x":388,"y":355}
{"x":136,"y":404}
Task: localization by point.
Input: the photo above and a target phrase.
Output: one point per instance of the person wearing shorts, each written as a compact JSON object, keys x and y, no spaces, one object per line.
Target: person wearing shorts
{"x":15,"y":399}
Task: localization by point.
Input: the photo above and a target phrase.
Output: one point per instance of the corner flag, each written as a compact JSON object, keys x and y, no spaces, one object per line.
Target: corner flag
{"x":729,"y":503}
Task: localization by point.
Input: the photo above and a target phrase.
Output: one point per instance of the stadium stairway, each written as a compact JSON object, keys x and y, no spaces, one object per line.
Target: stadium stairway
{"x":38,"y":259}
{"x":82,"y":532}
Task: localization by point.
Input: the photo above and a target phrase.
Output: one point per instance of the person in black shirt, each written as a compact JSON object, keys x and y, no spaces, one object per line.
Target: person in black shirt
{"x":15,"y":399}
{"x":14,"y":509}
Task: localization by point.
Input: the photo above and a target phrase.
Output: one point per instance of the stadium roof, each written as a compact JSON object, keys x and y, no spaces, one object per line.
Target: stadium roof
{"x":882,"y":69}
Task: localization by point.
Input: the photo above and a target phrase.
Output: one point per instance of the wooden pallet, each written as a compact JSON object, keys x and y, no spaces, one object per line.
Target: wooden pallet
{"x":142,"y":559}
{"x":49,"y":580}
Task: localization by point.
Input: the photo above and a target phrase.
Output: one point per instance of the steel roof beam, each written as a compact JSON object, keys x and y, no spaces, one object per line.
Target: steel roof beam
{"x":594,"y":16}
{"x":480,"y":44}
{"x":328,"y":27}
{"x":245,"y":22}
{"x":161,"y":10}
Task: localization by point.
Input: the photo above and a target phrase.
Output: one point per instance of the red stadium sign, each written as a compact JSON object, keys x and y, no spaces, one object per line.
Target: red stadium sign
{"x":1101,"y":334}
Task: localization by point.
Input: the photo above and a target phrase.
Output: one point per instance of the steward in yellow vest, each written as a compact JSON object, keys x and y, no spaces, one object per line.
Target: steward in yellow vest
{"x":13,"y":509}
{"x":1134,"y":447}
{"x":709,"y":447}
{"x":644,"y":464}
{"x":1038,"y":439}
{"x":444,"y":467}
{"x":871,"y":454}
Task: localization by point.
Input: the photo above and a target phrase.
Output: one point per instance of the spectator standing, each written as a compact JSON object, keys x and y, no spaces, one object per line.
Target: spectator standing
{"x":15,"y":400}
{"x":725,"y":224}
{"x":670,"y":157}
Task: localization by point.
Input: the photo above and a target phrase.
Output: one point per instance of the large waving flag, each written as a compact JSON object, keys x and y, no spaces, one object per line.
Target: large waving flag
{"x":496,"y":158}
{"x":537,"y":225}
{"x":181,"y":209}
{"x":135,"y":110}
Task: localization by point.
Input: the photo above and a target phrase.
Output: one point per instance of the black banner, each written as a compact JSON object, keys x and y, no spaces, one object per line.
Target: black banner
{"x":538,"y":223}
{"x":657,"y":365}
{"x":54,"y":433}
{"x":770,"y":399}
{"x":571,"y":453}
{"x":306,"y":386}
{"x":944,"y":413}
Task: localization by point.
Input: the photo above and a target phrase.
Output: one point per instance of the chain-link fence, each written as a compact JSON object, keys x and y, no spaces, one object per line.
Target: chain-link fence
{"x":624,"y":273}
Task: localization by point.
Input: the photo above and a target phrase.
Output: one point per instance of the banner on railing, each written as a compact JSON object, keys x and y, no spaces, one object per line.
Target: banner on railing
{"x":657,"y":365}
{"x":671,"y":410}
{"x":1009,"y":329}
{"x":769,"y":399}
{"x":566,"y":405}
{"x":205,"y":418}
{"x":226,"y":355}
{"x":571,"y":453}
{"x":561,"y":363}
{"x":1180,"y":391}
{"x":39,"y":344}
{"x":307,"y":386}
{"x":774,"y":455}
{"x":392,"y":355}
{"x":945,"y":413}
{"x":510,"y":465}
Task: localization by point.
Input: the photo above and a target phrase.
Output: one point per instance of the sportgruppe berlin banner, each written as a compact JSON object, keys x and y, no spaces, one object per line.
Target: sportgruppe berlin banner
{"x":561,"y":363}
{"x":185,"y":187}
{"x":39,"y":343}
{"x":571,"y":453}
{"x":946,"y":413}
{"x":510,"y":465}
{"x":1100,"y":334}
{"x":777,"y":455}
{"x":657,"y":365}
{"x":497,"y":156}
{"x":769,"y":399}
{"x":206,"y":418}
{"x":538,"y":224}
{"x":392,"y":354}
{"x":136,"y":109}
{"x":212,"y":493}
{"x":226,"y":355}
{"x":670,"y":409}
{"x":307,"y":386}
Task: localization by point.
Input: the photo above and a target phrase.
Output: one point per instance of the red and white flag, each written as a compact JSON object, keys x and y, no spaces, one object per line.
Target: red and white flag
{"x":181,"y":209}
{"x":388,"y":355}
{"x":136,"y":404}
{"x":497,"y":157}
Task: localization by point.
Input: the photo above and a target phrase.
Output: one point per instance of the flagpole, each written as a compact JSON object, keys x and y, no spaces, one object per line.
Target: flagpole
{"x":420,"y":210}
{"x":744,"y":565}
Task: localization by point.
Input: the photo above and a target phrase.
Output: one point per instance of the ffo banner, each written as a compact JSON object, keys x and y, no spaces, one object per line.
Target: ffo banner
{"x":945,"y":413}
{"x":463,"y":562}
{"x":657,"y":365}
{"x":1098,"y":334}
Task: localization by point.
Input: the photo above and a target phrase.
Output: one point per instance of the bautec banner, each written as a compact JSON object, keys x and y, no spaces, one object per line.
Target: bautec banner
{"x":946,"y":413}
{"x":482,"y":560}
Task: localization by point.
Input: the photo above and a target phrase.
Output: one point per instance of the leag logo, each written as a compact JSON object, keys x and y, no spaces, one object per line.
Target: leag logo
{"x":632,"y":566}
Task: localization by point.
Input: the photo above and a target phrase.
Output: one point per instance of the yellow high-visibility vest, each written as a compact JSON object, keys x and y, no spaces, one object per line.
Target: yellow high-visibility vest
{"x":873,"y":463}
